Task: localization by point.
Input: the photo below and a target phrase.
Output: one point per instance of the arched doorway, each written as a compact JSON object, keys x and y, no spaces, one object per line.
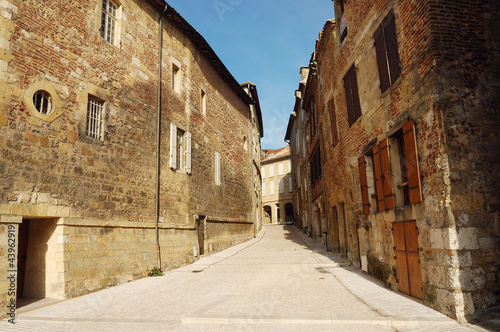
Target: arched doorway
{"x":289,"y":213}
{"x":268,"y":215}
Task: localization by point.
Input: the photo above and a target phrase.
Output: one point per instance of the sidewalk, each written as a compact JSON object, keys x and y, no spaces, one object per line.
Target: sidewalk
{"x":279,"y":281}
{"x":400,"y":311}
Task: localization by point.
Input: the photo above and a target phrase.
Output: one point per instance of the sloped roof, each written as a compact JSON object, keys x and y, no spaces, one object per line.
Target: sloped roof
{"x":174,"y":17}
{"x":276,"y":154}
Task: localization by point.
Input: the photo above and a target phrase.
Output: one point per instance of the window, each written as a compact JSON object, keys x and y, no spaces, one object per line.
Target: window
{"x":176,"y":78}
{"x":203,"y":102}
{"x":282,"y":186}
{"x":280,"y":169}
{"x":333,"y":122}
{"x":263,"y":171}
{"x":217,"y":167}
{"x":290,"y":184}
{"x":386,"y":47}
{"x":297,"y":141}
{"x":43,"y":102}
{"x":263,"y":189}
{"x":409,"y":182}
{"x":352,"y":95}
{"x":271,"y":188}
{"x":108,"y":21}
{"x":312,"y":120}
{"x":315,"y":164}
{"x":395,"y":162}
{"x":271,"y":170}
{"x":95,"y":110}
{"x":298,"y":177}
{"x":342,"y":23}
{"x":180,"y":149}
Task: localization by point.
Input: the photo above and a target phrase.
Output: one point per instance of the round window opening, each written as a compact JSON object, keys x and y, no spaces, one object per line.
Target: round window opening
{"x":43,"y":102}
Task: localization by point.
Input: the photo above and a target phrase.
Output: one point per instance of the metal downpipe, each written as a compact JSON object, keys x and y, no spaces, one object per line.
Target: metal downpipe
{"x":158,"y":137}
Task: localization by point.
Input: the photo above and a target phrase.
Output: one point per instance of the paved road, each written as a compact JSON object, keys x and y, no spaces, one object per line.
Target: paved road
{"x":281,"y":281}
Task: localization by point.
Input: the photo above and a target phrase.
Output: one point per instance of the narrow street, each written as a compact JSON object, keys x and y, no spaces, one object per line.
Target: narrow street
{"x":280,"y":281}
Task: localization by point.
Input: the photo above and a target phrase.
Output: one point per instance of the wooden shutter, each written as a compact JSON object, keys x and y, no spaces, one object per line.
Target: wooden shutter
{"x":173,"y":146}
{"x":411,"y":156}
{"x":333,"y":122}
{"x":188,"y":153}
{"x":349,"y":98}
{"x":385,"y":161}
{"x":391,"y":42}
{"x":379,"y":185}
{"x":381,"y":50}
{"x":355,"y":94}
{"x":364,"y":186}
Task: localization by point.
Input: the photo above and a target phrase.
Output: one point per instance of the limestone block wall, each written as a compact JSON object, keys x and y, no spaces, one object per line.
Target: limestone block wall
{"x":101,"y":190}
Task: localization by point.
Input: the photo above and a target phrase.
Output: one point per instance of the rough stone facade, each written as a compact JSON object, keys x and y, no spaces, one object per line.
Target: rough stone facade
{"x":440,"y":106}
{"x":89,"y":188}
{"x":277,"y":187}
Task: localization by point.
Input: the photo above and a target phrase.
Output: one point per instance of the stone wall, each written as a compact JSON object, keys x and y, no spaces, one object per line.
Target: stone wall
{"x":102,"y":191}
{"x":449,"y":88}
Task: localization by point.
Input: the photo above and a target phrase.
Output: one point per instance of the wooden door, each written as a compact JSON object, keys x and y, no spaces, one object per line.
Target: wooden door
{"x":409,"y":273}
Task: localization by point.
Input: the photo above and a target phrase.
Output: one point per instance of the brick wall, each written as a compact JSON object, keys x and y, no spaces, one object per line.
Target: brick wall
{"x":449,"y":87}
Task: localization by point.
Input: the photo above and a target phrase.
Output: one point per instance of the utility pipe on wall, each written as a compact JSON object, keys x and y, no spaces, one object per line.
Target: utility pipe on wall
{"x":158,"y":137}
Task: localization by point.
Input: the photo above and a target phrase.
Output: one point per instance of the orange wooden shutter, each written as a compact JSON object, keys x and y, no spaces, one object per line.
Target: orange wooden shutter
{"x":411,"y":156}
{"x":364,"y":186}
{"x":385,"y":161}
{"x":379,"y":186}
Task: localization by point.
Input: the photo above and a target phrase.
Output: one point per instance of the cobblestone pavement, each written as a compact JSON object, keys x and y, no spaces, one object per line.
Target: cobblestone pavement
{"x":280,"y":281}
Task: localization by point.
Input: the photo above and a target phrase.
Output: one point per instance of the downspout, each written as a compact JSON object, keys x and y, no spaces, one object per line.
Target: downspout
{"x":326,"y":209}
{"x":254,"y":211}
{"x":158,"y":137}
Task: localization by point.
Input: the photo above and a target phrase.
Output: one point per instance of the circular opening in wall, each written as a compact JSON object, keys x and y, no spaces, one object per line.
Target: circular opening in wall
{"x":43,"y":102}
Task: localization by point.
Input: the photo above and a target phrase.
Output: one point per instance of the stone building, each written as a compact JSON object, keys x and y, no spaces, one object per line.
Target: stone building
{"x":257,"y":132}
{"x":297,"y":131}
{"x":277,"y":194}
{"x":402,"y":124}
{"x":125,"y":143}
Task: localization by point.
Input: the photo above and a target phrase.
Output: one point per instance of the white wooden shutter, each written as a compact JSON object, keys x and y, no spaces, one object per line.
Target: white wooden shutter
{"x":271,"y":188}
{"x":188,"y":153}
{"x":264,"y":189}
{"x":290,"y":184}
{"x":299,"y":180}
{"x":282,"y":186}
{"x":297,"y":141}
{"x":173,"y":146}
{"x":263,"y":171}
{"x":217,"y":163}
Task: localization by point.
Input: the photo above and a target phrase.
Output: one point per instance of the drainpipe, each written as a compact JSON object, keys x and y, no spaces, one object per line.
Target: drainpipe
{"x":254,"y":211}
{"x":326,"y":209}
{"x":158,"y":137}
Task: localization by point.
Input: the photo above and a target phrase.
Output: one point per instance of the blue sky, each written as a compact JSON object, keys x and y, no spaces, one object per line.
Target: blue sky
{"x":265,"y":42}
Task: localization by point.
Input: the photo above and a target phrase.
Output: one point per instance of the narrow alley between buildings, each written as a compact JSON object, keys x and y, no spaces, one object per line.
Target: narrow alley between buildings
{"x":280,"y":281}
